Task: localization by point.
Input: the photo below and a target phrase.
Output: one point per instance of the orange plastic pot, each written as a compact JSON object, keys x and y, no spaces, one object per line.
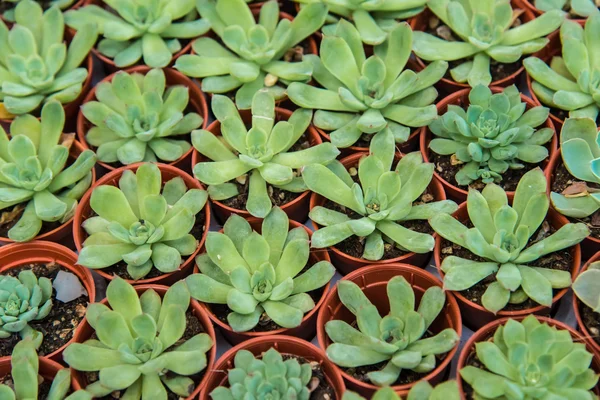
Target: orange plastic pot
{"x":576,"y":308}
{"x":296,"y":209}
{"x":168,"y":172}
{"x":307,"y":328}
{"x":197,"y":104}
{"x":373,"y":281}
{"x":346,"y":263}
{"x":474,"y":315}
{"x":47,"y":369}
{"x":287,"y":345}
{"x":461,"y":98}
{"x":87,"y":331}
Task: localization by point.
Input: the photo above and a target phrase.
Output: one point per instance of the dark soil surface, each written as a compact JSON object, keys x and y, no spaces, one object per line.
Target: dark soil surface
{"x":59,"y":325}
{"x":591,"y":320}
{"x":322,"y":388}
{"x":43,"y":387}
{"x":10,"y":216}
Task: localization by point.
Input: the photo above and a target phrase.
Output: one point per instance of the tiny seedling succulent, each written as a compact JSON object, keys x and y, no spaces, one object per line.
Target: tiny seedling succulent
{"x":137,"y":118}
{"x":362,"y":95}
{"x":138,"y":29}
{"x":422,"y":390}
{"x":484,"y":31}
{"x":9,"y":15}
{"x":256,"y":274}
{"x":140,"y":347}
{"x":493,"y":135}
{"x":265,"y":377}
{"x":500,"y":236}
{"x":142,"y":222}
{"x":383,"y":198}
{"x":34,"y":174}
{"x":256,"y":56}
{"x":261,"y":152}
{"x":36,"y":65}
{"x":587,"y":287}
{"x":396,"y":338}
{"x":581,"y":8}
{"x":531,"y":360}
{"x":571,"y":82}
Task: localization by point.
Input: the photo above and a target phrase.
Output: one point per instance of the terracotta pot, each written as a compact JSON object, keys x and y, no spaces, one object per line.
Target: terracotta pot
{"x":197,"y":104}
{"x":48,"y":370}
{"x":346,"y":263}
{"x":475,"y":316}
{"x":285,"y":345}
{"x":461,"y":98}
{"x":373,"y":281}
{"x":296,"y":209}
{"x":307,"y":328}
{"x":61,"y":233}
{"x":84,"y":211}
{"x":528,"y":5}
{"x":487,"y":333}
{"x":86,"y":332}
{"x":576,"y":308}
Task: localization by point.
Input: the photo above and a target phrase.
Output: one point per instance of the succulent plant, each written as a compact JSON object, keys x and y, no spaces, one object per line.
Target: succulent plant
{"x":9,"y":15}
{"x":142,"y":222}
{"x":493,"y":135}
{"x":586,"y":287}
{"x":531,"y":360}
{"x":36,"y":65}
{"x":256,"y":274}
{"x":582,"y":8}
{"x":137,"y":118}
{"x":140,"y":29}
{"x":24,"y":372}
{"x":255,"y":56}
{"x":365,"y":95}
{"x":265,"y":377}
{"x":140,"y":347}
{"x":571,"y":82}
{"x":422,"y":390}
{"x":484,"y":31}
{"x":383,"y":197}
{"x":34,"y":174}
{"x":500,"y":236}
{"x":396,"y":338}
{"x":261,"y":152}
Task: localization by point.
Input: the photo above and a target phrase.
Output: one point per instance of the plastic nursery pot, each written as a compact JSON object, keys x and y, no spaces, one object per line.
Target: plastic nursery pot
{"x":63,"y":232}
{"x":37,"y":252}
{"x":196,"y":104}
{"x":589,"y":337}
{"x":307,"y":328}
{"x":346,"y":263}
{"x":373,"y":280}
{"x":487,"y":332}
{"x":48,"y":370}
{"x":84,"y":211}
{"x":87,"y":331}
{"x":296,"y":209}
{"x":461,"y":98}
{"x":474,"y":315}
{"x":286,"y":345}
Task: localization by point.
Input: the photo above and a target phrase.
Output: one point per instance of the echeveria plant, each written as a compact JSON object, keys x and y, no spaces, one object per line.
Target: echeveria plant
{"x":362,"y":95}
{"x":264,"y":55}
{"x":485,"y":32}
{"x":422,"y":390}
{"x":531,"y":360}
{"x":493,"y":135}
{"x":138,"y":29}
{"x":259,"y":276}
{"x":34,"y":172}
{"x":571,"y":82}
{"x":581,"y":8}
{"x":9,"y":15}
{"x":140,"y":348}
{"x":137,"y":118}
{"x":501,"y":236}
{"x":142,"y":222}
{"x":259,"y":152}
{"x":383,"y":197}
{"x":396,"y":338}
{"x":586,"y":287}
{"x":37,"y":66}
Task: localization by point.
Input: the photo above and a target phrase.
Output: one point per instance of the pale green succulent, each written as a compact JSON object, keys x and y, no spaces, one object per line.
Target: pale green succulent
{"x":485,"y":33}
{"x":36,"y":66}
{"x":531,"y":360}
{"x":396,"y":338}
{"x":139,"y":349}
{"x":501,"y":235}
{"x":422,"y":390}
{"x":257,"y":275}
{"x":586,"y":287}
{"x":9,"y":15}
{"x":581,"y":8}
{"x":493,"y":135}
{"x":138,"y":118}
{"x":142,"y":222}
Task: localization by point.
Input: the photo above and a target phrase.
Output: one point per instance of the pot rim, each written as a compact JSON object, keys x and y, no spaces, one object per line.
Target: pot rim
{"x":577,"y":303}
{"x":51,"y":367}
